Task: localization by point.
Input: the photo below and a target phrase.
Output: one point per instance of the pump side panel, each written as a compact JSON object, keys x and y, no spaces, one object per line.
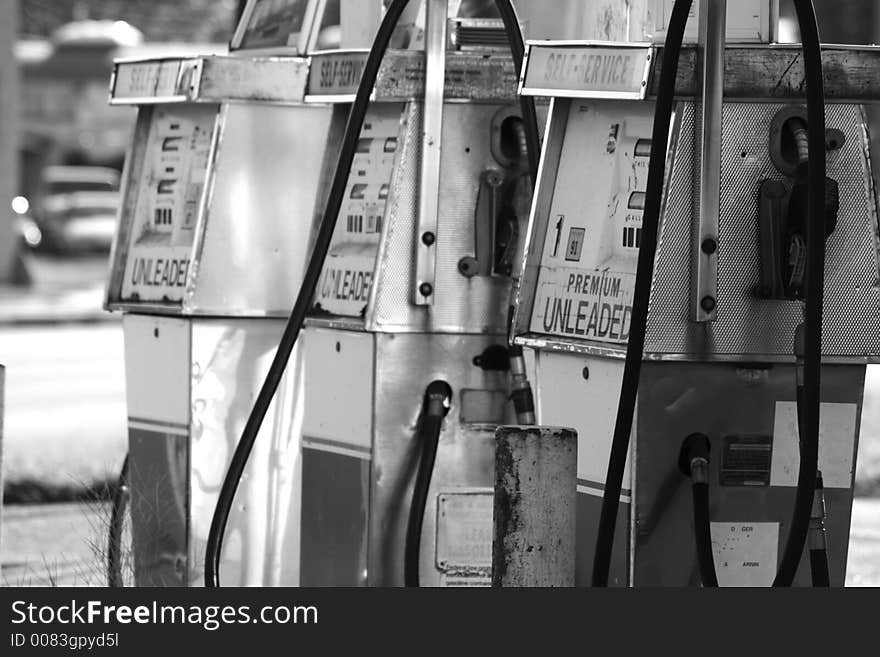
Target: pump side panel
{"x":582,"y":393}
{"x":336,"y":456}
{"x":748,"y":327}
{"x":461,"y":305}
{"x":456,"y":548}
{"x":747,"y":413}
{"x":261,"y":209}
{"x":157,"y":352}
{"x":230,"y":359}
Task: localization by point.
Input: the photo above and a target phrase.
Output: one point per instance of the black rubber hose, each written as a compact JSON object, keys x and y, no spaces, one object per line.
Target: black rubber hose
{"x":435,"y":406}
{"x":115,"y":530}
{"x":819,"y":568}
{"x":316,"y":263}
{"x":815,"y":236}
{"x":693,"y":461}
{"x":641,"y":294}
{"x":703,"y":534}
{"x":306,"y":293}
{"x":527,"y":103}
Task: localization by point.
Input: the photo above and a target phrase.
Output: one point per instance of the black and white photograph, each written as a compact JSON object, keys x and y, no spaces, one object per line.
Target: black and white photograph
{"x":308,"y":296}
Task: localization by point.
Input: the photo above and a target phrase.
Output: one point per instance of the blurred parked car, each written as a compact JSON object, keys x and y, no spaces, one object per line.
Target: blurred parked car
{"x":77,"y":209}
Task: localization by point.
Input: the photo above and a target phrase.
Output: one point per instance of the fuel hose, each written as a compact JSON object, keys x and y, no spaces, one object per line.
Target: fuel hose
{"x":641,"y":294}
{"x":319,"y":254}
{"x":435,"y":406}
{"x":814,"y":293}
{"x":694,"y":462}
{"x":809,"y":395}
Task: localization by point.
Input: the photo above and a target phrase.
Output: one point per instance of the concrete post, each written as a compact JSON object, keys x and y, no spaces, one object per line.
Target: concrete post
{"x":535,"y":496}
{"x":8,"y":137}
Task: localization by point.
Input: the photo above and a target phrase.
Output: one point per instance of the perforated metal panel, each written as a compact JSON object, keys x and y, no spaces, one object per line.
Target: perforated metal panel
{"x":471,"y":305}
{"x":748,"y":327}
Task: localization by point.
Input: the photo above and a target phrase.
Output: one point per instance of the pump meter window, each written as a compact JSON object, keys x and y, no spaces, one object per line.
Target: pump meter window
{"x":169,"y":195}
{"x":277,"y":24}
{"x":587,"y":275}
{"x":344,"y":287}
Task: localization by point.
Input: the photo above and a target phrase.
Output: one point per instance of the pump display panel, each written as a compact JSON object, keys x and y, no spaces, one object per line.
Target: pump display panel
{"x":592,"y":231}
{"x":346,"y":279}
{"x":168,"y":200}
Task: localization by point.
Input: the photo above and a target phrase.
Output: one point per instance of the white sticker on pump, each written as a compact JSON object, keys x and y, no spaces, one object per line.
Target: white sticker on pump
{"x":745,"y":553}
{"x":837,"y":434}
{"x":594,"y":230}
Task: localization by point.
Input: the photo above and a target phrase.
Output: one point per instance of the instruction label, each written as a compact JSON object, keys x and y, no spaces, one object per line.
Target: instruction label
{"x":464,"y":532}
{"x":745,"y":553}
{"x":169,"y":198}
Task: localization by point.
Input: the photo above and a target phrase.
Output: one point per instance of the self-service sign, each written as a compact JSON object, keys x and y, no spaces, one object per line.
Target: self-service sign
{"x":593,"y":232}
{"x":587,"y":70}
{"x":169,"y":197}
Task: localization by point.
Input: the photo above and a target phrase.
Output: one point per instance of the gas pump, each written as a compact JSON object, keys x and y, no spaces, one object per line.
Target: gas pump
{"x":225,"y":174}
{"x":672,"y":293}
{"x":404,"y":312}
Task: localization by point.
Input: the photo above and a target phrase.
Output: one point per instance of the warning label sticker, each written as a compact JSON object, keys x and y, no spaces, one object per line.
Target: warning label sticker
{"x":745,"y":553}
{"x":464,"y":532}
{"x":169,"y":195}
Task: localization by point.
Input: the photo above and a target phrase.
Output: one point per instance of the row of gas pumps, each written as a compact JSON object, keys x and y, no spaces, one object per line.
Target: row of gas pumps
{"x":343,"y":269}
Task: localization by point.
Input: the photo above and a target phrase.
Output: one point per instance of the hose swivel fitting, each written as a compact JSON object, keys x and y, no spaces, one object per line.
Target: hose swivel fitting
{"x":693,"y":459}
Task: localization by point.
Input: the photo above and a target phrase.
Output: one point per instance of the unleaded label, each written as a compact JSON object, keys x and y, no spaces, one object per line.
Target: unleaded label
{"x":169,"y":195}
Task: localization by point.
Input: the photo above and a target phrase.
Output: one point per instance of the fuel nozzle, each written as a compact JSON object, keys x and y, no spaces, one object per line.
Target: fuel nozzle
{"x":784,"y":207}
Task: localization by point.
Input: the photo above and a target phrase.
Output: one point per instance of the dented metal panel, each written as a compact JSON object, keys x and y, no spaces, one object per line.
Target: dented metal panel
{"x":405,"y":365}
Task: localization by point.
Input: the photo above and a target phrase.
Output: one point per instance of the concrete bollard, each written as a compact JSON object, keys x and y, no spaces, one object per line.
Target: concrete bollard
{"x":535,"y":496}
